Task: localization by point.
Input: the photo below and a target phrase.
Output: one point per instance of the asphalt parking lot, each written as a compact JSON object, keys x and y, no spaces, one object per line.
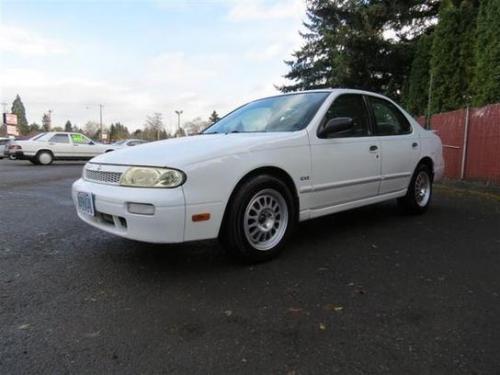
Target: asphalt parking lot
{"x":361,"y":292}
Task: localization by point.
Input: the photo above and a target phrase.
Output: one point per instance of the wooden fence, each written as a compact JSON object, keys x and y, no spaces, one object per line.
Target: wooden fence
{"x":471,"y":141}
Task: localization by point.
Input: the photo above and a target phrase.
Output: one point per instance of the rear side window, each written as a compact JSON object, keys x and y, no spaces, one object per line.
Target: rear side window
{"x":353,"y":106}
{"x":388,"y":119}
{"x":60,"y":138}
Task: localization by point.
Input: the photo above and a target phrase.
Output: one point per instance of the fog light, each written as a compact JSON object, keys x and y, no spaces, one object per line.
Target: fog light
{"x":141,"y":208}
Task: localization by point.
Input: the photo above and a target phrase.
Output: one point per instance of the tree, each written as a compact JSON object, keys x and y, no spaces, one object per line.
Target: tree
{"x":68,"y":127}
{"x":154,"y":128}
{"x":34,"y":128}
{"x":486,"y":83}
{"x":214,"y":117}
{"x":46,"y":122}
{"x":117,"y":132}
{"x":138,"y":134}
{"x":195,"y":126}
{"x":451,"y":57}
{"x":19,"y":110}
{"x":418,"y":85}
{"x":346,"y":44}
{"x":92,"y":129}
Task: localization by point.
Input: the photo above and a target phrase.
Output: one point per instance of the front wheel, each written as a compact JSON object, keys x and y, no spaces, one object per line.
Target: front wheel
{"x":260,"y":218}
{"x":418,"y":197}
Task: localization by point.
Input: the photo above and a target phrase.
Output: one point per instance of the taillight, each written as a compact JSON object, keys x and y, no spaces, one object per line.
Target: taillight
{"x":15,"y":147}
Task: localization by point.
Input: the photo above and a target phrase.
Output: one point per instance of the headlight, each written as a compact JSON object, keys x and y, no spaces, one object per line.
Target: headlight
{"x":152,"y":177}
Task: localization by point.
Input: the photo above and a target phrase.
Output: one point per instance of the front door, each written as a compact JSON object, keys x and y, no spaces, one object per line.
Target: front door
{"x":346,"y":165}
{"x":83,"y":147}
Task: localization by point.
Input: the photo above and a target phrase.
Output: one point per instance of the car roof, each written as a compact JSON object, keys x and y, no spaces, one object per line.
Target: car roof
{"x":53,"y":132}
{"x":339,"y":90}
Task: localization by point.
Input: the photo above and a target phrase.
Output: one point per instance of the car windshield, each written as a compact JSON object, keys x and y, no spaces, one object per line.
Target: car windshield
{"x":284,"y":113}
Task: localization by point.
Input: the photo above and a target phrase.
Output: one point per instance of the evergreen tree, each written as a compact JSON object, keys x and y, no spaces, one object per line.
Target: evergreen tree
{"x":452,"y":58}
{"x":418,"y":86}
{"x":486,"y":83}
{"x":46,"y":122}
{"x":117,"y":132}
{"x":19,"y":110}
{"x":68,"y":127}
{"x":34,"y":128}
{"x":346,"y":45}
{"x":214,"y":117}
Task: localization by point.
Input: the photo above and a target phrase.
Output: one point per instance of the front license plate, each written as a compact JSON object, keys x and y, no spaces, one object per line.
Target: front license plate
{"x":86,"y":203}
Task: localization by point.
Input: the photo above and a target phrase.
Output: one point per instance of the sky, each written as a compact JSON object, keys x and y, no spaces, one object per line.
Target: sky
{"x":138,"y":57}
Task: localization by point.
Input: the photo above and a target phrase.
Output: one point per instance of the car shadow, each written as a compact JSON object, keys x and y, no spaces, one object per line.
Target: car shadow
{"x":210,"y":257}
{"x":26,"y":163}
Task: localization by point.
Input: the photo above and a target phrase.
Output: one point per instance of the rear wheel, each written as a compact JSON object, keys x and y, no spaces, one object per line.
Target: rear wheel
{"x":44,"y":158}
{"x":418,"y":197}
{"x":260,"y":218}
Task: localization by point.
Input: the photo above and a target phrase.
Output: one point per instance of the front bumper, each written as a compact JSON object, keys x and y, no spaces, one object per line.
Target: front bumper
{"x":166,"y":225}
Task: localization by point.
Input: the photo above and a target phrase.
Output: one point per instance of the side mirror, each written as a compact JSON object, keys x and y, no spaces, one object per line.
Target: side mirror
{"x":335,"y":125}
{"x":91,"y":143}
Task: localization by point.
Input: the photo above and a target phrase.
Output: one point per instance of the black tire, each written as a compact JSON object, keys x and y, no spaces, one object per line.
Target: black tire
{"x":34,"y":161}
{"x":44,"y":157}
{"x":234,"y":233}
{"x":413,"y":203}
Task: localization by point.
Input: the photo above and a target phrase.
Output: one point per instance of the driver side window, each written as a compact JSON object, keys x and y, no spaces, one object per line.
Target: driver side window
{"x":80,"y":139}
{"x":352,"y":106}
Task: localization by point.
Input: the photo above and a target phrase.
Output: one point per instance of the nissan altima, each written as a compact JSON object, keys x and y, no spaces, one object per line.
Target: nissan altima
{"x":252,"y":176}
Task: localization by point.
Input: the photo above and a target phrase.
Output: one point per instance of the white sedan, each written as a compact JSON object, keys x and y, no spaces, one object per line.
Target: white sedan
{"x":44,"y":148}
{"x":250,"y":177}
{"x":3,"y":143}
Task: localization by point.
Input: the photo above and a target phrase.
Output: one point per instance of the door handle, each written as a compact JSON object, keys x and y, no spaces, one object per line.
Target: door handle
{"x":373,"y":148}
{"x":414,"y":145}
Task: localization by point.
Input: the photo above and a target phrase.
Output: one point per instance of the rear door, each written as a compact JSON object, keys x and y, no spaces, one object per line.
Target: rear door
{"x":345,"y":166}
{"x":60,"y":145}
{"x":400,"y":147}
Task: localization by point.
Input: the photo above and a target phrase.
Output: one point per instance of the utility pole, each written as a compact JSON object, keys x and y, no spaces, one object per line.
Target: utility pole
{"x":50,"y":119}
{"x":4,"y":106}
{"x":179,"y":113}
{"x":100,"y":121}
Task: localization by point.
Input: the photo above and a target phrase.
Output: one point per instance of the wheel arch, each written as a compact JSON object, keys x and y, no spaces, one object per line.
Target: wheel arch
{"x":264,"y":170}
{"x":426,"y":160}
{"x":44,"y":150}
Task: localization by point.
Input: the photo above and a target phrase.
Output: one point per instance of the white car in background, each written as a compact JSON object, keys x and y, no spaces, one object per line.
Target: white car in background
{"x":128,"y":143}
{"x":3,"y":144}
{"x":251,"y":176}
{"x":44,"y":148}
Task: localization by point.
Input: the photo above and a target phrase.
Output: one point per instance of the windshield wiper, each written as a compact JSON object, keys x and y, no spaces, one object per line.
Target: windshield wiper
{"x":246,"y":131}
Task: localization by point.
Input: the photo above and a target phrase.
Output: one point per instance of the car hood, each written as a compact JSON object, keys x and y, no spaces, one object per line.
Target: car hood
{"x":180,"y":152}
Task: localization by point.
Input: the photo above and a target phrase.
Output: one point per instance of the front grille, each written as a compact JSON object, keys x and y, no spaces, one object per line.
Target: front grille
{"x":112,"y":178}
